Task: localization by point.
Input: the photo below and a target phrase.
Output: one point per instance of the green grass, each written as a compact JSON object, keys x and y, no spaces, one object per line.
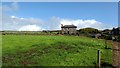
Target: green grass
{"x":34,"y":50}
{"x":0,"y":50}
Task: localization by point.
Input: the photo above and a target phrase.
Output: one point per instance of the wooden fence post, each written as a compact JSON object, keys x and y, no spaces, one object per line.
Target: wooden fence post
{"x":105,"y":43}
{"x":98,"y":59}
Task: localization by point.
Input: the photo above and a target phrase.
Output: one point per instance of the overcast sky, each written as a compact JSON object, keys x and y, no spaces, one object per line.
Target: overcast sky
{"x":37,"y":16}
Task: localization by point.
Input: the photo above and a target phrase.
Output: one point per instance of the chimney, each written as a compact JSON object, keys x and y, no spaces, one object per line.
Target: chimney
{"x":61,"y":25}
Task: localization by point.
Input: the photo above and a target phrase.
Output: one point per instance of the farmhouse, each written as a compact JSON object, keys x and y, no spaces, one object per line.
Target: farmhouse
{"x":68,"y":29}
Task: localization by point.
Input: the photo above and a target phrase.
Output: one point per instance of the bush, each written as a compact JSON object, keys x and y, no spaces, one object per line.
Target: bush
{"x":89,"y":31}
{"x":118,"y":38}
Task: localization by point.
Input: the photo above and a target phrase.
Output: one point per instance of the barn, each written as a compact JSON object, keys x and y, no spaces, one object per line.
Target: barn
{"x":115,"y":31}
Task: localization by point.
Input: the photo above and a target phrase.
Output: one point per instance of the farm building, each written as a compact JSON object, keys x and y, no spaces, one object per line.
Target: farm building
{"x":68,"y":29}
{"x":115,"y":31}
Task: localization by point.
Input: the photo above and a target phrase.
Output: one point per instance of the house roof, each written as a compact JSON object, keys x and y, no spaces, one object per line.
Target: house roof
{"x":69,"y":26}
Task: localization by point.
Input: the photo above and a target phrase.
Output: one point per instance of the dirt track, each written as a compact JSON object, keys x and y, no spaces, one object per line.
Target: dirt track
{"x":116,"y":54}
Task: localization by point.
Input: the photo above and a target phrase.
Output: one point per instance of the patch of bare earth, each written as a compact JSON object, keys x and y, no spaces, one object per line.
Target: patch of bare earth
{"x":116,"y":54}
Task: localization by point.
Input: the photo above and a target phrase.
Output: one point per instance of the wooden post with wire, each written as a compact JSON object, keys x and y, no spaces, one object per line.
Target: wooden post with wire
{"x":98,"y":59}
{"x":105,"y":42}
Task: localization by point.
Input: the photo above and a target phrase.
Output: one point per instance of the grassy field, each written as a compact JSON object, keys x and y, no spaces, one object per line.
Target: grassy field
{"x":0,"y":50}
{"x":31,"y":50}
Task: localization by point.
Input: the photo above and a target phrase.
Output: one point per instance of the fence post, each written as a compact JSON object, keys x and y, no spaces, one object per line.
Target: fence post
{"x":98,"y":59}
{"x":105,"y":42}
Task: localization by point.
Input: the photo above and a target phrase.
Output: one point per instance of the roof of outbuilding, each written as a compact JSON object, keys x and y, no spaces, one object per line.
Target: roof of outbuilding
{"x":118,"y":28}
{"x":69,"y":26}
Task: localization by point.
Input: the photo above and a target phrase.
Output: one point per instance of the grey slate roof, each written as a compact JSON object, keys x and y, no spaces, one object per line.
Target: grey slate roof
{"x":69,"y":26}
